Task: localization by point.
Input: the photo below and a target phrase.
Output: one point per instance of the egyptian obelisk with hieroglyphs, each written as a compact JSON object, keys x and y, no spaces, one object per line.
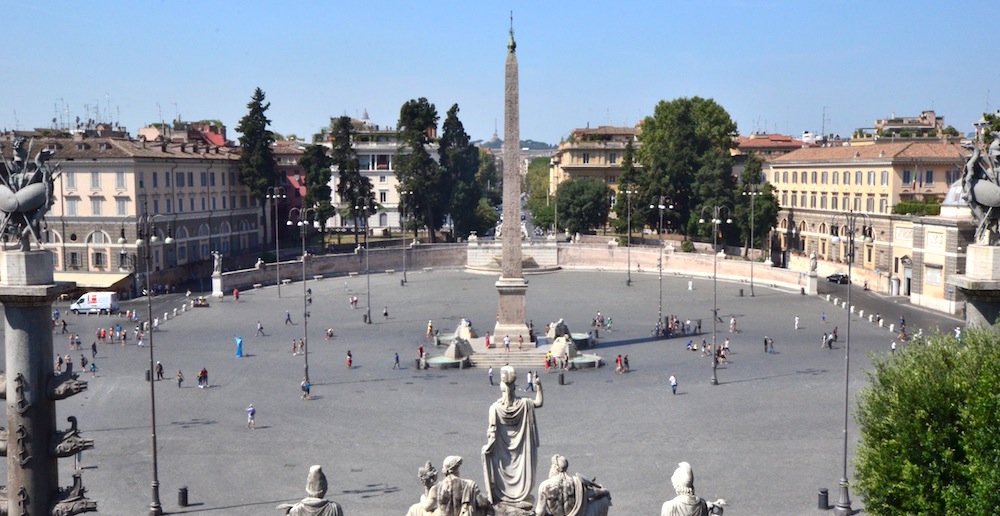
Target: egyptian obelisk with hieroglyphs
{"x":511,"y":287}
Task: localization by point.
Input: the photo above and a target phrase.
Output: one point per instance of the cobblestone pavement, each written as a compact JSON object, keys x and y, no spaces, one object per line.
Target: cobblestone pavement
{"x":765,"y":439}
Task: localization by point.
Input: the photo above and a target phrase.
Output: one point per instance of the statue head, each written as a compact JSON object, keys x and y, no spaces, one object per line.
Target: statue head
{"x":507,"y":374}
{"x":451,"y":464}
{"x":316,"y":483}
{"x":683,"y":479}
{"x":427,"y":474}
{"x":559,"y":465}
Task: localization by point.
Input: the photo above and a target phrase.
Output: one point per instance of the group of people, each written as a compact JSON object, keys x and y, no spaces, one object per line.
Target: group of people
{"x":674,"y":326}
{"x":557,"y":362}
{"x":621,"y":364}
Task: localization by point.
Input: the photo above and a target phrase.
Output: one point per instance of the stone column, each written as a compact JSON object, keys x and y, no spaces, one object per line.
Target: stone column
{"x":27,"y":290}
{"x":511,"y":319}
{"x":981,"y":286}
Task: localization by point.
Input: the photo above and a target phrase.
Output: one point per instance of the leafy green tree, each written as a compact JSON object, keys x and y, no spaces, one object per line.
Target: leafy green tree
{"x":681,"y":138}
{"x":459,"y":164}
{"x":992,"y":126}
{"x":257,"y":166}
{"x":355,"y":190}
{"x":488,"y":178}
{"x":485,"y":214}
{"x":928,"y":428}
{"x":583,"y":204}
{"x":316,"y":163}
{"x":714,"y":185}
{"x":765,"y":204}
{"x":537,"y":186}
{"x":416,"y":171}
{"x":627,"y":181}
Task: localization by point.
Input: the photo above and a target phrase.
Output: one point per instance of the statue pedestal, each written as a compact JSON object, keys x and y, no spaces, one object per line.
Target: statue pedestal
{"x":511,"y":320}
{"x":981,"y":285}
{"x":812,"y":284}
{"x":217,"y":291}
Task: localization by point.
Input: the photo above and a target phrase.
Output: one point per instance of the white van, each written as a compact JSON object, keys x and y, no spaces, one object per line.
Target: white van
{"x":96,"y":303}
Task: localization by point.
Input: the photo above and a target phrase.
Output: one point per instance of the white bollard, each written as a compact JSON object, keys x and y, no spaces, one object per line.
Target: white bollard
{"x":165,"y":316}
{"x":891,"y":328}
{"x":175,"y":312}
{"x":861,"y":314}
{"x":828,"y":297}
{"x":852,"y":309}
{"x":690,"y":285}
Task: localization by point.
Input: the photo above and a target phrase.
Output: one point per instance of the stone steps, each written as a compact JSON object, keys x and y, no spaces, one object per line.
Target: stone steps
{"x":534,"y":359}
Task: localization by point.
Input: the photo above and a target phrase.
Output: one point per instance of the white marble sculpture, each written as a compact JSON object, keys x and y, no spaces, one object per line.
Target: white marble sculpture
{"x":313,"y":504}
{"x":453,"y":495}
{"x":686,"y":503}
{"x":428,"y":477}
{"x":510,"y":454}
{"x":570,"y":495}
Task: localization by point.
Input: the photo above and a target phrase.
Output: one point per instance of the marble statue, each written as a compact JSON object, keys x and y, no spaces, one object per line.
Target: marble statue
{"x":218,"y":262}
{"x":981,"y":187}
{"x":565,"y":495}
{"x":812,"y":262}
{"x":510,"y":454}
{"x":453,"y":495}
{"x":428,"y":477}
{"x":686,"y":503}
{"x":313,"y":504}
{"x":26,"y":193}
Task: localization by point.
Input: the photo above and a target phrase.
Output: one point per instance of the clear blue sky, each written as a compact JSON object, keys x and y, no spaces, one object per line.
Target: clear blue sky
{"x":773,"y":65}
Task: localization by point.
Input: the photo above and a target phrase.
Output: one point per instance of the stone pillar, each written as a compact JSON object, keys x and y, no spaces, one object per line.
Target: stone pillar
{"x":511,"y":287}
{"x":981,"y":286}
{"x":27,"y":290}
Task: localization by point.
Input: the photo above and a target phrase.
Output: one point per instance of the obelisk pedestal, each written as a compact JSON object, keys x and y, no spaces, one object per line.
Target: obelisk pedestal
{"x":511,"y":286}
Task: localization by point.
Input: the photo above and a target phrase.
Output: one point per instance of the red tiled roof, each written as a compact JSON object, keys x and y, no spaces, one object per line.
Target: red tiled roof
{"x":879,"y":152}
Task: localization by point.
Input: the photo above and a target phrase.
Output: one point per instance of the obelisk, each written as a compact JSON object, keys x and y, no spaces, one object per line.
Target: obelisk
{"x":511,"y":320}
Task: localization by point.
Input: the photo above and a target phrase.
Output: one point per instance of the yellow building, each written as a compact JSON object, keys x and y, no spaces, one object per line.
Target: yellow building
{"x":594,"y":153}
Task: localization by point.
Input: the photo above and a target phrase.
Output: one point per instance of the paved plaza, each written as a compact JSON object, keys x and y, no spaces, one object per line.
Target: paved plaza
{"x":765,"y":439}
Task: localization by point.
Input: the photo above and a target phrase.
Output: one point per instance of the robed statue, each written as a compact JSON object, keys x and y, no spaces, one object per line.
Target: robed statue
{"x":313,"y":504}
{"x":686,"y":503}
{"x":510,"y":456}
{"x":563,"y":494}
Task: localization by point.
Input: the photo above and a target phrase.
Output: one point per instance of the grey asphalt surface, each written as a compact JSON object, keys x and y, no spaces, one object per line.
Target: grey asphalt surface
{"x":765,"y":439}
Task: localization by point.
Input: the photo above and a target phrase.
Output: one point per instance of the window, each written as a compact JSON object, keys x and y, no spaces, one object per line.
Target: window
{"x":586,"y":158}
{"x":170,"y":205}
{"x":805,"y":178}
{"x":870,"y":204}
{"x":907,"y":177}
{"x":100,"y":260}
{"x":142,"y":180}
{"x":71,"y":205}
{"x":190,"y":178}
{"x":211,"y":179}
{"x":784,"y":198}
{"x":932,"y":275}
{"x":121,"y":206}
{"x":871,"y":178}
{"x":613,"y":179}
{"x":95,"y":179}
{"x":204,"y":204}
{"x":166,"y":180}
{"x":74,"y":259}
{"x":204,"y":179}
{"x":857,"y":203}
{"x":382,"y":162}
{"x":120,"y":180}
{"x":224,"y":203}
{"x":180,"y":180}
{"x":155,"y":185}
{"x":812,"y":201}
{"x":833,"y":202}
{"x":612,"y":158}
{"x":156,"y":206}
{"x":180,"y":205}
{"x":847,"y":178}
{"x":383,"y":196}
{"x":191,"y":203}
{"x":950,"y":176}
{"x":381,"y":179}
{"x":70,"y":179}
{"x":836,"y":177}
{"x":784,"y":177}
{"x":885,"y":178}
{"x":814,"y":177}
{"x":929,"y":177}
{"x":859,"y":177}
{"x":824,"y":177}
{"x":883,"y":205}
{"x":213,"y":202}
{"x":822,"y":202}
{"x":795,"y":199}
{"x":795,"y":177}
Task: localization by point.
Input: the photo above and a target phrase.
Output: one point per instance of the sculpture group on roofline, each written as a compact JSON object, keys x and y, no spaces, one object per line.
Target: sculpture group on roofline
{"x":981,"y":186}
{"x":509,"y":460}
{"x":26,"y":193}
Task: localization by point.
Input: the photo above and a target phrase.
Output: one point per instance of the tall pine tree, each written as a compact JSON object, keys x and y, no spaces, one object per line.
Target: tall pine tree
{"x":416,"y":171}
{"x":459,"y":164}
{"x":355,"y":190}
{"x":316,"y":164}
{"x":257,"y":166}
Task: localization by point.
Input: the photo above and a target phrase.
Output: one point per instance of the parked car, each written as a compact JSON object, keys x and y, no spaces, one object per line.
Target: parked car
{"x":839,"y":277}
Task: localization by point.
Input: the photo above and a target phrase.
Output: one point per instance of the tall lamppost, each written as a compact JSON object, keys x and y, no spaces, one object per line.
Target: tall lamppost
{"x":276,"y":194}
{"x":717,"y":212}
{"x":145,"y":239}
{"x":752,"y":191}
{"x":850,"y":219}
{"x":628,"y":242}
{"x":660,"y":203}
{"x":303,"y":216}
{"x":368,"y":281}
{"x":402,"y":228}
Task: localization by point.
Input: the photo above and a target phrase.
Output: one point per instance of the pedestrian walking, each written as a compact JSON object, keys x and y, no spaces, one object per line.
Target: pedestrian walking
{"x":251,"y":416}
{"x":179,"y":376}
{"x":529,"y":386}
{"x":93,"y":349}
{"x":203,"y":378}
{"x":260,"y":329}
{"x":834,"y":334}
{"x":490,"y":373}
{"x":771,"y":342}
{"x":892,"y":348}
{"x":822,"y":343}
{"x":430,"y":329}
{"x":159,"y":370}
{"x":83,"y":362}
{"x":506,"y":343}
{"x":350,"y":359}
{"x":796,"y":322}
{"x":520,"y":342}
{"x":288,"y":317}
{"x":385,"y":312}
{"x":624,"y":363}
{"x":306,"y":386}
{"x":64,"y":326}
{"x":765,"y":343}
{"x":236,"y":295}
{"x":395,"y":364}
{"x":673,"y":384}
{"x":93,"y":369}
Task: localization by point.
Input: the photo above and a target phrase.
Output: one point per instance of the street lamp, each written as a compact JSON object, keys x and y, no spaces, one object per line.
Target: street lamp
{"x":145,"y":239}
{"x":752,"y":191}
{"x":660,"y":204}
{"x":368,"y":280}
{"x":276,"y":193}
{"x":303,"y":216}
{"x":850,"y":218}
{"x":402,"y":229}
{"x":628,"y":244}
{"x":716,"y":220}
